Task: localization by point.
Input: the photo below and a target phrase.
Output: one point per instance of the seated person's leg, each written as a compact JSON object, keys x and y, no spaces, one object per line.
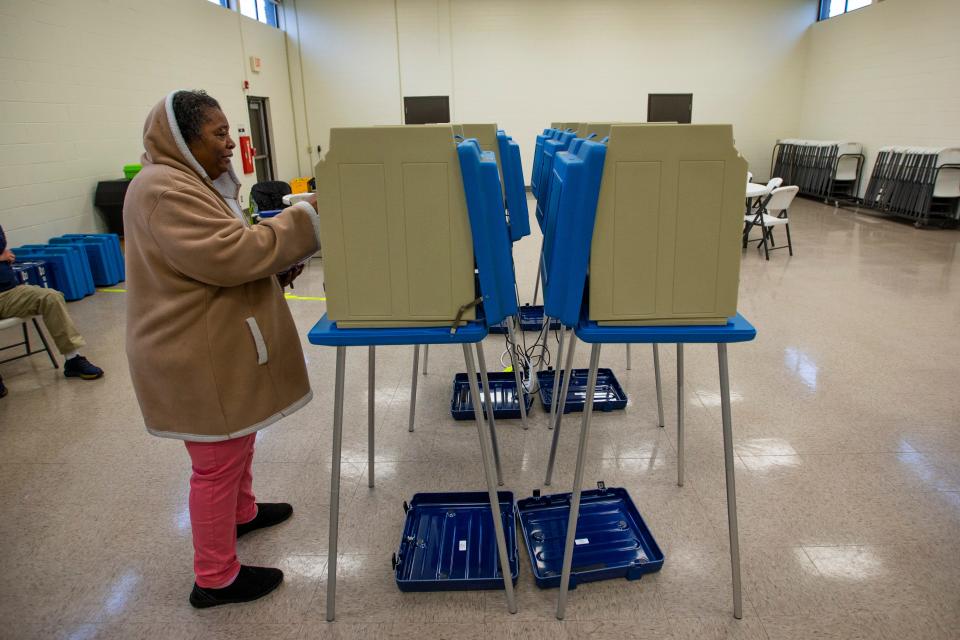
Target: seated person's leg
{"x":27,"y":300}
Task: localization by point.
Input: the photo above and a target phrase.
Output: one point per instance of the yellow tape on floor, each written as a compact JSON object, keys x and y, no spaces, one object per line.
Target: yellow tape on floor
{"x":288,"y":296}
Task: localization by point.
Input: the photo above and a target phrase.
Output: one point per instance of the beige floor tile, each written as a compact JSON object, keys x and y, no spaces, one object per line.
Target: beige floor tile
{"x":846,"y":461}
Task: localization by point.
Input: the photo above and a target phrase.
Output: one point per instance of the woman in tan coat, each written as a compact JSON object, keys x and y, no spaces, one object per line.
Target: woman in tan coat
{"x":213,"y":351}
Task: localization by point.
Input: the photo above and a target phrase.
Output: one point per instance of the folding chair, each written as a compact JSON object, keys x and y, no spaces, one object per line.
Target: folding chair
{"x":9,"y":323}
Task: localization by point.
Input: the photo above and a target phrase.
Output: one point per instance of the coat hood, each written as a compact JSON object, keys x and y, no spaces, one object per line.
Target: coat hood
{"x":164,"y":144}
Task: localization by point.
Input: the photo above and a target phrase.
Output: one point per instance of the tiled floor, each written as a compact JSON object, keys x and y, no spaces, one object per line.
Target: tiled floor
{"x":847,"y":430}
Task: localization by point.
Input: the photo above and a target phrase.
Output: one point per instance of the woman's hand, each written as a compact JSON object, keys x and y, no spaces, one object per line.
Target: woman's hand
{"x":287,"y":277}
{"x":7,"y":255}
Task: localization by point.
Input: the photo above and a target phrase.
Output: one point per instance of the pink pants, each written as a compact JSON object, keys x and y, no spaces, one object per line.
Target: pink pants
{"x":221,"y":496}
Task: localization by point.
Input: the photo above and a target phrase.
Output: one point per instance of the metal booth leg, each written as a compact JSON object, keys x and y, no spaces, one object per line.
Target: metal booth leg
{"x":413,"y":386}
{"x":563,"y":394}
{"x":556,"y":376}
{"x":426,"y":356}
{"x":517,"y":373}
{"x":335,"y":485}
{"x":656,"y":378}
{"x":680,"y":414}
{"x":536,"y":285}
{"x":546,"y":332}
{"x":731,"y":486}
{"x":628,"y":357}
{"x":488,"y":395}
{"x":371,"y":392}
{"x":491,"y":484}
{"x":578,"y":483}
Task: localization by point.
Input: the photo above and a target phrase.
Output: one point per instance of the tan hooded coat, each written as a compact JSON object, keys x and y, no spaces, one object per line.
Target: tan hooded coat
{"x":213,"y":350}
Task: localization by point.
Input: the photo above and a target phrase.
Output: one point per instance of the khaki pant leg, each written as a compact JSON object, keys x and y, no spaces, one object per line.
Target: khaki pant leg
{"x":27,"y":300}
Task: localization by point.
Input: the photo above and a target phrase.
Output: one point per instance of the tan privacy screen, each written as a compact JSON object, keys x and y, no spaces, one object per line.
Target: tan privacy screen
{"x":396,"y":237}
{"x":666,"y":245}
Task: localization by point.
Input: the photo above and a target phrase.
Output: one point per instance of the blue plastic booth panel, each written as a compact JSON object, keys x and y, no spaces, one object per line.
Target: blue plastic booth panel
{"x":448,"y":543}
{"x":513,"y":188}
{"x":608,"y":395}
{"x":503,"y":387}
{"x":488,"y":226}
{"x":612,"y":539}
{"x":569,"y":230}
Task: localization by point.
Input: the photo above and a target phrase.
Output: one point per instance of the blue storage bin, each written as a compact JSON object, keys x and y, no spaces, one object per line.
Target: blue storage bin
{"x":111,"y":243}
{"x":22,"y":273}
{"x":448,"y":542}
{"x":37,"y":270}
{"x":96,"y":252}
{"x":607,"y":396}
{"x":612,"y":539}
{"x":68,"y":270}
{"x":503,"y":387}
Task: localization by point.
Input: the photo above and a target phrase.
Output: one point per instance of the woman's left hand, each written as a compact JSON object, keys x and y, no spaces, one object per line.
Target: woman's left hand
{"x":287,"y":277}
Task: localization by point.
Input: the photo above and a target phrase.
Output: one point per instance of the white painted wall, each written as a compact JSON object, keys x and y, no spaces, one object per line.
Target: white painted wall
{"x":885,"y":74}
{"x":78,"y":78}
{"x":526,"y":64}
{"x":345,"y":51}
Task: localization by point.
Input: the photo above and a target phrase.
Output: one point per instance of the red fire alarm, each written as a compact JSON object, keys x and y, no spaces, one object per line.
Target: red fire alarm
{"x":246,"y":85}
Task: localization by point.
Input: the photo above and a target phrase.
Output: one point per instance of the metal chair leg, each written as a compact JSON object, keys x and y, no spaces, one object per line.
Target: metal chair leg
{"x":426,"y":356}
{"x":731,"y":485}
{"x":578,"y":483}
{"x":656,"y":379}
{"x":26,"y":337}
{"x":556,"y":379}
{"x":413,"y":386}
{"x":681,"y":405}
{"x":563,"y":394}
{"x":491,"y":485}
{"x":789,"y":241}
{"x":628,"y":357}
{"x":335,"y":484}
{"x":46,"y":346}
{"x":488,"y":395}
{"x":517,"y":372}
{"x":371,"y":393}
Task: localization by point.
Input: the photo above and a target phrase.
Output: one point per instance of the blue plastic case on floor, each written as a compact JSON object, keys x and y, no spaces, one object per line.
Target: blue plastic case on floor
{"x":448,"y":542}
{"x":503,"y":385}
{"x":608,"y":395}
{"x":612,"y":539}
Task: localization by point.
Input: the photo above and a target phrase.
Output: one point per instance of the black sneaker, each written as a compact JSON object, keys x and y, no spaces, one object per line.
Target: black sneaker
{"x":268,"y":514}
{"x":251,"y":584}
{"x":80,"y":367}
{"x":3,"y":389}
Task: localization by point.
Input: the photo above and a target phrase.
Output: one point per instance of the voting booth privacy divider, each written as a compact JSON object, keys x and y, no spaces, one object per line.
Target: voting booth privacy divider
{"x":396,"y":237}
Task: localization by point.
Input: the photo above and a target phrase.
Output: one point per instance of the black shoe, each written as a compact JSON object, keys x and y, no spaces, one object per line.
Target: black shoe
{"x":252,"y":583}
{"x":80,"y":367}
{"x":268,"y":514}
{"x":3,"y":389}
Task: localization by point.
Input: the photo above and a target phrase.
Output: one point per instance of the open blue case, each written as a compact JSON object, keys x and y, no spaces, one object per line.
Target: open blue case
{"x":448,"y":542}
{"x":612,"y":539}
